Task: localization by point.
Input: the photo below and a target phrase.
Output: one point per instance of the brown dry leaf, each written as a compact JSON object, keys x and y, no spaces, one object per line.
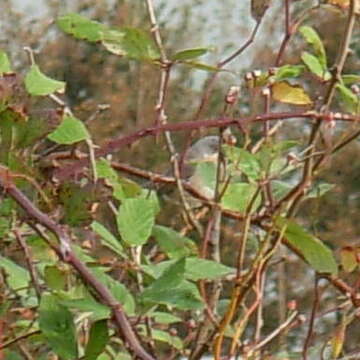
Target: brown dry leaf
{"x":337,"y":341}
{"x":348,"y":257}
{"x":287,"y":93}
{"x":343,"y":4}
{"x":258,"y":8}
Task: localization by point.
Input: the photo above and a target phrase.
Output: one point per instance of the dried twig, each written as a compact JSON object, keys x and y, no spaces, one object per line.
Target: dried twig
{"x":29,"y":262}
{"x":314,"y":310}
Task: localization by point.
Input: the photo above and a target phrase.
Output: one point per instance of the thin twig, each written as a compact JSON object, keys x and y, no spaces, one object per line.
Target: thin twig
{"x":30,"y":264}
{"x":210,"y":82}
{"x":314,"y":310}
{"x":285,"y":325}
{"x":240,"y":327}
{"x":341,"y":55}
{"x":213,"y":233}
{"x":288,"y":33}
{"x":291,"y":28}
{"x":19,"y":338}
{"x":162,"y":117}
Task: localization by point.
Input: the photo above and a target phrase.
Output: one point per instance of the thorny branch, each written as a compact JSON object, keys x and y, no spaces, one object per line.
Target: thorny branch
{"x":116,"y":144}
{"x":65,"y":252}
{"x":162,"y":117}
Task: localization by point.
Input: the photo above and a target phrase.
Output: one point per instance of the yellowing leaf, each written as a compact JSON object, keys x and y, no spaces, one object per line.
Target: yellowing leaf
{"x":4,"y":63}
{"x":344,"y":4}
{"x":284,"y":92}
{"x":337,"y":341}
{"x":348,"y":257}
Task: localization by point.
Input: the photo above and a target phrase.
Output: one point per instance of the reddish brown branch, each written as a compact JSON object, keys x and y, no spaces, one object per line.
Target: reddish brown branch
{"x":116,"y":144}
{"x":19,"y":338}
{"x":314,"y":310}
{"x":65,"y":252}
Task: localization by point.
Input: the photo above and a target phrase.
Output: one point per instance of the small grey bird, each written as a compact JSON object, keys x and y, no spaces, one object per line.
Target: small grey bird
{"x":200,"y":163}
{"x":200,"y":166}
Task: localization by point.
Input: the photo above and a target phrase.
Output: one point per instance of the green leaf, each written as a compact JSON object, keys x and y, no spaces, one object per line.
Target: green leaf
{"x":189,"y":54}
{"x":319,"y":190}
{"x":98,"y":339}
{"x":108,"y":239}
{"x":131,"y":188}
{"x":348,"y":258}
{"x":70,"y":131}
{"x":104,"y":170}
{"x":156,"y":270}
{"x":81,"y":27}
{"x":130,"y":42}
{"x":39,"y":84}
{"x":165,"y":337}
{"x":172,"y":243}
{"x":76,"y":201}
{"x":196,"y":269}
{"x":41,"y":250}
{"x":118,"y":290}
{"x":17,"y":276}
{"x":288,"y":71}
{"x":185,"y":296}
{"x":54,"y":277}
{"x":151,"y":195}
{"x":135,"y":221}
{"x":5,"y":66}
{"x":280,"y":188}
{"x":244,"y":161}
{"x":238,"y":196}
{"x":315,"y":252}
{"x":89,"y":305}
{"x":5,"y":306}
{"x":201,"y":66}
{"x":164,"y":317}
{"x":171,"y":289}
{"x":314,"y":65}
{"x":57,"y":325}
{"x":281,"y":146}
{"x":12,"y":355}
{"x":290,"y":94}
{"x":350,"y":79}
{"x":312,"y":38}
{"x":170,"y":278}
{"x":348,"y":98}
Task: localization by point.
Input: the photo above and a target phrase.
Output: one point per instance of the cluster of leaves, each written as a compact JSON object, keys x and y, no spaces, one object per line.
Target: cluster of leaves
{"x":159,"y":267}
